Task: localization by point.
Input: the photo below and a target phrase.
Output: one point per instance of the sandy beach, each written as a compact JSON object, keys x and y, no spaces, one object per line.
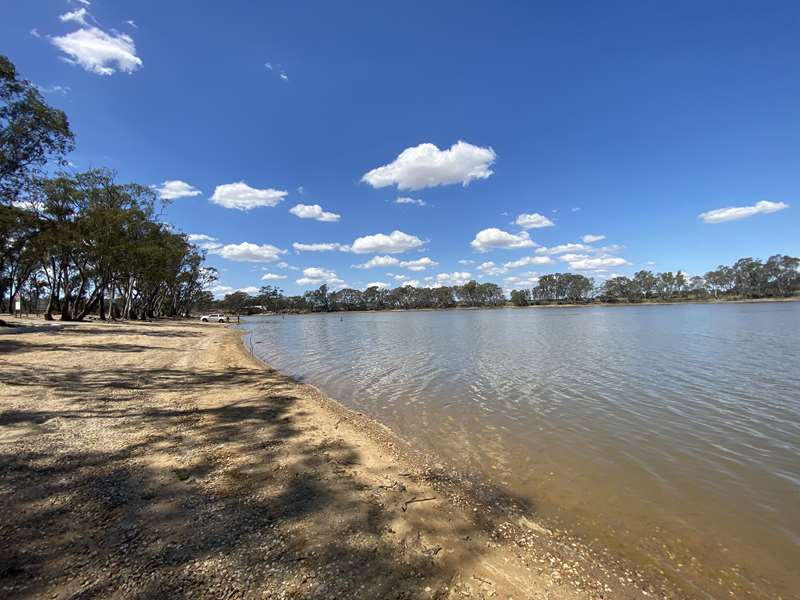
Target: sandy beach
{"x":150,"y":460}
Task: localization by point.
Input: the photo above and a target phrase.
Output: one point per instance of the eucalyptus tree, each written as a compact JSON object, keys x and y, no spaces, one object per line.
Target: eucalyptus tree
{"x":520,"y":297}
{"x":644,"y":283}
{"x":31,"y":132}
{"x":783,"y":274}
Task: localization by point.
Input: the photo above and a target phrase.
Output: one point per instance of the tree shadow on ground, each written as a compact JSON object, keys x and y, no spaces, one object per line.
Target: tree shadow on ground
{"x":105,"y":493}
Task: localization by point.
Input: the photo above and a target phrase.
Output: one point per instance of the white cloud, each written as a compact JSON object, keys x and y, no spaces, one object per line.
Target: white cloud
{"x":527,"y":261}
{"x":174,"y":189}
{"x":314,"y":276}
{"x":530,"y":279}
{"x":247,"y":252}
{"x":455,"y":278}
{"x":590,"y":238}
{"x":132,"y":24}
{"x":419,"y":264}
{"x":465,"y":261}
{"x":220,"y":291}
{"x":378,"y":261}
{"x":562,"y":249}
{"x":200,"y":237}
{"x":533,"y":221}
{"x":54,"y":89}
{"x":575,"y":209}
{"x":76,"y":16}
{"x":272,"y":276}
{"x":206,"y":242}
{"x":394,"y":243}
{"x":276,"y":68}
{"x":489,"y":268}
{"x":35,"y":33}
{"x":426,"y":166}
{"x":378,"y":284}
{"x":97,"y":51}
{"x":243,"y":197}
{"x":733,"y":213}
{"x":411,"y":283}
{"x":405,"y":200}
{"x":321,"y":247}
{"x":584,"y":262}
{"x":496,"y":238}
{"x":314,"y":211}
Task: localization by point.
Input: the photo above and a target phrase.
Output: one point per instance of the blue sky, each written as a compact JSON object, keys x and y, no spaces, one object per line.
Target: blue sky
{"x":623,"y":120}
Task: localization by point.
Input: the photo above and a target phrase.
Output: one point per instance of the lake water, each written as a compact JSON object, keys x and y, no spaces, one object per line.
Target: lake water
{"x":669,"y":434}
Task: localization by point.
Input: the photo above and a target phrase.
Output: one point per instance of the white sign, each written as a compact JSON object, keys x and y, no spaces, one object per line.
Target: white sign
{"x":17,"y":302}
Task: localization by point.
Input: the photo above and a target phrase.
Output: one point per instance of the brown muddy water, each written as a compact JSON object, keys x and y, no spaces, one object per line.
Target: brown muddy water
{"x":668,"y":434}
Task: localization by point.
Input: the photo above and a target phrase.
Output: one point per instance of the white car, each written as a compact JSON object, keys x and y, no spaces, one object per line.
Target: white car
{"x":215,"y":318}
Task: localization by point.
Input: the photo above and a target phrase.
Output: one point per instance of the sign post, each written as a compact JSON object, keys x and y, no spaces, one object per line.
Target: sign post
{"x":17,"y":304}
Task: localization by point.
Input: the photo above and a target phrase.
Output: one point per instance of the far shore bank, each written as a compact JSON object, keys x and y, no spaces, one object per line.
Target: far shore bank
{"x":573,"y":305}
{"x":162,"y":459}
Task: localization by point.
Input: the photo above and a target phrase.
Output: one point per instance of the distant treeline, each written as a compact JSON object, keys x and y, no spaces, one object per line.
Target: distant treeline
{"x":779,"y":276}
{"x":747,"y":278}
{"x":81,"y":243}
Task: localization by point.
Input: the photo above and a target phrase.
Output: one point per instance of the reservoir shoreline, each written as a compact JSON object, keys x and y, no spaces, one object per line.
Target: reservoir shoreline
{"x":164,"y":458}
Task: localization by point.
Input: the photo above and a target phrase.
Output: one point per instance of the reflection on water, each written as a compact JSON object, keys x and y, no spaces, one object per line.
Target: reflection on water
{"x":671,"y":433}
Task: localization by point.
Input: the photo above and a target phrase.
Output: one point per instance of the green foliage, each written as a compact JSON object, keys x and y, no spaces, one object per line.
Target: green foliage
{"x":31,"y":132}
{"x":83,"y":240}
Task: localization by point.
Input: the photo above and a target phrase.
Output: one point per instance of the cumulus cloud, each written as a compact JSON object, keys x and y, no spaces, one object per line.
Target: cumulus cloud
{"x":563,"y":249}
{"x":533,"y":221}
{"x":220,"y":291}
{"x":206,"y":242}
{"x":76,"y":16}
{"x":99,"y":52}
{"x":321,"y":247}
{"x":734,"y":213}
{"x":455,"y":278}
{"x":272,"y":276}
{"x":419,"y":264}
{"x":497,"y":238}
{"x":489,"y":268}
{"x":247,"y":252}
{"x":314,"y":211}
{"x":394,"y":243}
{"x":378,"y":284}
{"x":243,"y":197}
{"x":378,"y":261}
{"x":585,"y":262}
{"x":527,"y":261}
{"x":590,"y":238}
{"x":411,"y":283}
{"x":175,"y":188}
{"x":405,"y":200}
{"x":314,"y":276}
{"x":526,"y":279}
{"x":426,"y":166}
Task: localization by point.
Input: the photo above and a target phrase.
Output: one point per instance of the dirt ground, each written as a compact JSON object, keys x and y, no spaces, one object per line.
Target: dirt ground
{"x":160,"y":460}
